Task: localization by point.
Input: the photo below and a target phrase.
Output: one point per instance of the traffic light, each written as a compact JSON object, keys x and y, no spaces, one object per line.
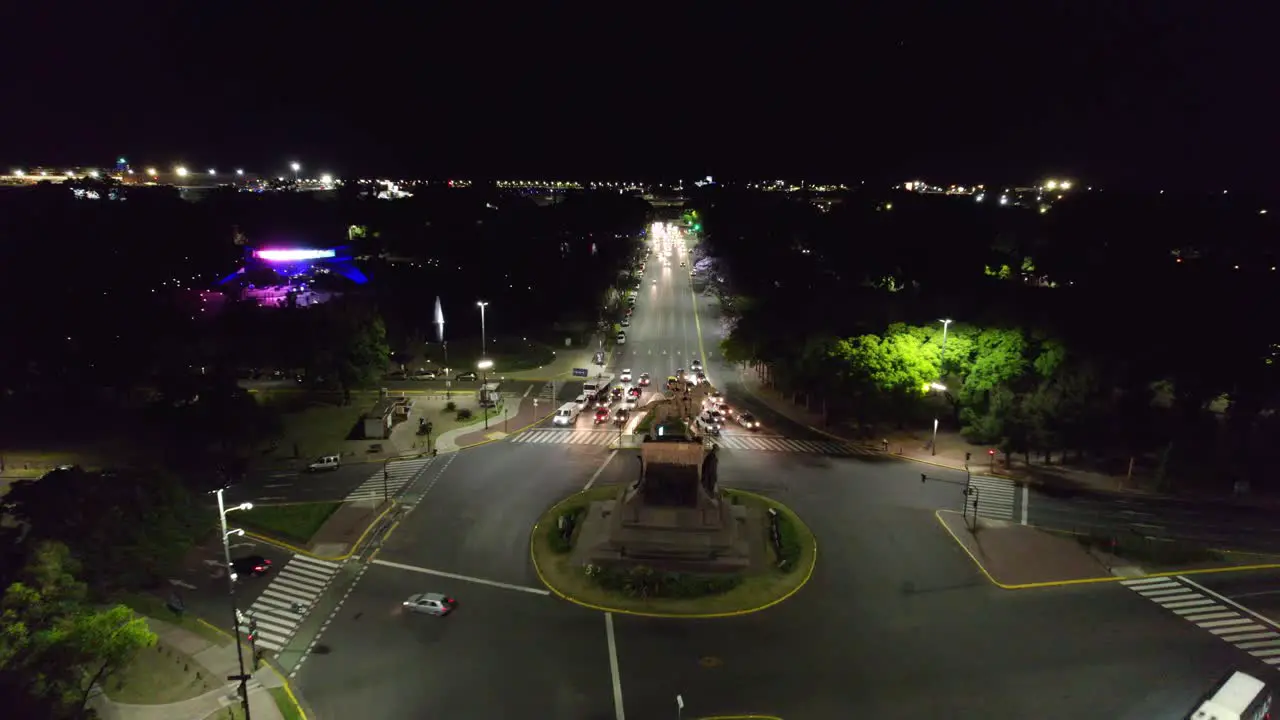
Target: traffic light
{"x":253,"y":629}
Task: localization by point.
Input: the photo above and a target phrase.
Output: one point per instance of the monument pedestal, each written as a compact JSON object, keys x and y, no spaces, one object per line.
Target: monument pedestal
{"x":673,"y":518}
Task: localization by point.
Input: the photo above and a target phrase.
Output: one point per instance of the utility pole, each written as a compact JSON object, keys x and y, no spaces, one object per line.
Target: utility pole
{"x":386,"y":480}
{"x":243,"y":678}
{"x":942,"y":359}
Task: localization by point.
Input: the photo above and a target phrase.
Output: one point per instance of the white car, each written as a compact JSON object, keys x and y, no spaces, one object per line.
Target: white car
{"x":626,"y":322}
{"x":626,"y":375}
{"x":622,"y":338}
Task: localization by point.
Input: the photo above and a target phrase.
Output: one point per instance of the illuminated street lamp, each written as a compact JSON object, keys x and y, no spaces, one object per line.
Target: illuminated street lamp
{"x":295,"y":167}
{"x":212,"y":171}
{"x":483,"y":348}
{"x":152,"y":172}
{"x":240,"y":173}
{"x":326,"y":179}
{"x":484,"y":366}
{"x":182,"y":171}
{"x":942,"y":358}
{"x":231,"y":581}
{"x":18,"y":173}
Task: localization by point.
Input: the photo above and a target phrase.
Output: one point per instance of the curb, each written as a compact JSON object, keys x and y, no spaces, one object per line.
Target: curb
{"x":517,"y":431}
{"x":284,"y":681}
{"x":340,"y":558}
{"x":1086,"y":581}
{"x":808,"y":574}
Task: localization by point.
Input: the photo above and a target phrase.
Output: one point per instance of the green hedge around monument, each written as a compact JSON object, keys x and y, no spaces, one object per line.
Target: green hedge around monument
{"x":645,"y":582}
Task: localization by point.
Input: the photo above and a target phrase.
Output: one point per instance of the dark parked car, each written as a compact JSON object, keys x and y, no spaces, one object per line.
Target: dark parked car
{"x":470,"y":375}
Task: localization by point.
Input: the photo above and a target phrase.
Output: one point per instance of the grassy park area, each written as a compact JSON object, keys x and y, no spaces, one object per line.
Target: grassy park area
{"x":295,"y":523}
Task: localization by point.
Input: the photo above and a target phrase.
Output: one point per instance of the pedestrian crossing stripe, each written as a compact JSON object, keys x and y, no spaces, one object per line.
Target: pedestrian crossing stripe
{"x":398,"y":474}
{"x":285,"y":601}
{"x":1229,"y":622}
{"x":566,"y":437}
{"x":996,"y":498}
{"x":777,"y":443}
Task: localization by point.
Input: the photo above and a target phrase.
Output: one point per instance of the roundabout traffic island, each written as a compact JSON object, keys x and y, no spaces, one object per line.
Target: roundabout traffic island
{"x":672,"y":544}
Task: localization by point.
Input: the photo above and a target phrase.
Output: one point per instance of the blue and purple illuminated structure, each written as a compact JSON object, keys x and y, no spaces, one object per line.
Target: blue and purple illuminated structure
{"x":296,"y":262}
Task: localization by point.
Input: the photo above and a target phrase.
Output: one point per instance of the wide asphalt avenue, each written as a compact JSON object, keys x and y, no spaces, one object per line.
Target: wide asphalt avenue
{"x":895,"y":622}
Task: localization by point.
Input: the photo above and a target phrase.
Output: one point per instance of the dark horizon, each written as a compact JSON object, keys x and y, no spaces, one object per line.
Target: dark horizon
{"x":1162,"y":97}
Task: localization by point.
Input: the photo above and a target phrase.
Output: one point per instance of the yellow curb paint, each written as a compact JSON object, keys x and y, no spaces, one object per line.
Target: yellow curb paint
{"x":284,"y":681}
{"x":339,"y":558}
{"x":386,"y":537}
{"x":533,"y":536}
{"x":1084,"y":581}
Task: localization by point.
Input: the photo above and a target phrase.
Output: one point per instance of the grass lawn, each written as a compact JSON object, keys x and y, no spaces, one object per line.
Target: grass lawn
{"x":316,"y":428}
{"x":152,"y":606}
{"x":288,"y":710}
{"x":295,"y":523}
{"x":755,"y":590}
{"x":159,"y":675}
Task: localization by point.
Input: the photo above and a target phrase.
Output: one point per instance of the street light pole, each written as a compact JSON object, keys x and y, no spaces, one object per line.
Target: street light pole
{"x":485,"y":397}
{"x":231,"y":581}
{"x":483,"y":348}
{"x":942,"y":358}
{"x":386,"y":494}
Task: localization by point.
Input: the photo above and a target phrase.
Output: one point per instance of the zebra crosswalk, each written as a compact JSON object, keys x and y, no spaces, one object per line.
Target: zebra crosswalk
{"x":287,"y":599}
{"x":997,"y":498}
{"x":566,"y":436}
{"x":1229,"y":622}
{"x":777,"y":443}
{"x":398,"y":474}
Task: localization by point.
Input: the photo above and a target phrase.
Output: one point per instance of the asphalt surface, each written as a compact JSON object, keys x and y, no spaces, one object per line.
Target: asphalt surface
{"x":1217,"y":525}
{"x":280,"y":486}
{"x":895,"y":622}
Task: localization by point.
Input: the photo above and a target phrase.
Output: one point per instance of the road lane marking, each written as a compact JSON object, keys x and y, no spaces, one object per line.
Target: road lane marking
{"x":1260,"y":593}
{"x":613,"y":667}
{"x":463,"y":578}
{"x":1227,"y":600}
{"x":1025,"y":498}
{"x":278,"y":485}
{"x":599,"y":470}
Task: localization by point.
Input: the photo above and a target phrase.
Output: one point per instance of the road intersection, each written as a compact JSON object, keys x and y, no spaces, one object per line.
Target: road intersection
{"x":896,"y":621}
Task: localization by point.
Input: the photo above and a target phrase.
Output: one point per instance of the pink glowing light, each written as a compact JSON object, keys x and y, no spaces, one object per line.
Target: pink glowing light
{"x":292,"y":255}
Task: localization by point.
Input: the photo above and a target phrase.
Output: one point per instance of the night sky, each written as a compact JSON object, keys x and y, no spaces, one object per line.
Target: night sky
{"x":1163,"y":94}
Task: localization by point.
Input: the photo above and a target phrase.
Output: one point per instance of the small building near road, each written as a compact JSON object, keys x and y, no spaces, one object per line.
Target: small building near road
{"x":384,"y":414}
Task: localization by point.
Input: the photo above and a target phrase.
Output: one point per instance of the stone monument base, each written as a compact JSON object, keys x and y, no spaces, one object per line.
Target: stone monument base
{"x":669,"y":541}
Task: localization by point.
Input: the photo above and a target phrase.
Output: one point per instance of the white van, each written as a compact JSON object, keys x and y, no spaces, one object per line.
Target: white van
{"x":567,"y":414}
{"x":324,"y":462}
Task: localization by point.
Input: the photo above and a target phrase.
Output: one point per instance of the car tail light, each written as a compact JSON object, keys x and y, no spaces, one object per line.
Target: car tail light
{"x":260,"y":568}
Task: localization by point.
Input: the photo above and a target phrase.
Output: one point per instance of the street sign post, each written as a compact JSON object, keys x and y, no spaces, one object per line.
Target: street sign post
{"x":579,"y":372}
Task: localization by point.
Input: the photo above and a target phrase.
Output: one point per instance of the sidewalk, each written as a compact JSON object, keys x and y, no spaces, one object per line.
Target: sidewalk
{"x":344,"y":529}
{"x":211,"y":661}
{"x":519,"y":413}
{"x":1017,"y":556}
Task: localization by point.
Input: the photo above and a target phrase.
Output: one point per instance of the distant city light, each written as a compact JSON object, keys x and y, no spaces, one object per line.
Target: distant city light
{"x":326,"y":179}
{"x":19,"y":173}
{"x":295,"y":167}
{"x":212,"y":171}
{"x":182,"y":172}
{"x":293,"y":255}
{"x":93,"y":173}
{"x":240,"y":172}
{"x":152,"y":172}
